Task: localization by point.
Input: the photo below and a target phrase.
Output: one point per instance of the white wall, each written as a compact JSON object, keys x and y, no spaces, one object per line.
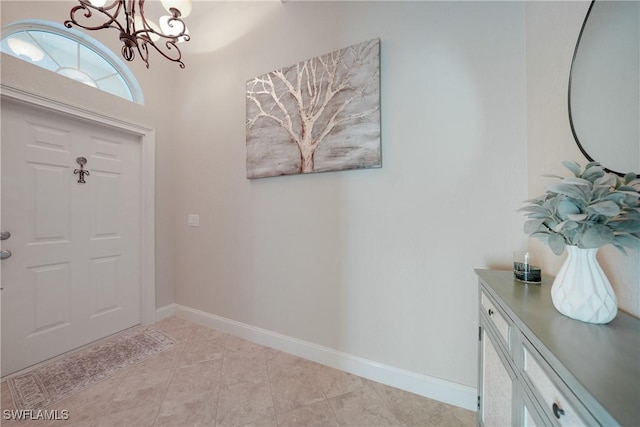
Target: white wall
{"x":552,"y":29}
{"x":376,"y":263}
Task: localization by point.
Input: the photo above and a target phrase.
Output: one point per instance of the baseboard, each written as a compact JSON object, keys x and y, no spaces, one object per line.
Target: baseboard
{"x":423,"y":385}
{"x":165,"y":312}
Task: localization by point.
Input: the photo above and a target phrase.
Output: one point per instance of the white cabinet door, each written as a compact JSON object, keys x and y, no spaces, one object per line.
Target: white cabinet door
{"x":496,"y":394}
{"x":74,"y":274}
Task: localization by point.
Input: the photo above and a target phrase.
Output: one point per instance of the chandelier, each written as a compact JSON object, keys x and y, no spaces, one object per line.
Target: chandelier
{"x":137,"y":34}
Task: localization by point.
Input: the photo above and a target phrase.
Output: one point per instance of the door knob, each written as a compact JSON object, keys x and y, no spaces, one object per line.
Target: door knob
{"x":5,"y":254}
{"x":4,"y":235}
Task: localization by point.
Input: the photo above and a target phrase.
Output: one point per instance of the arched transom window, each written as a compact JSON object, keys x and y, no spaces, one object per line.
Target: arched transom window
{"x":72,"y":54}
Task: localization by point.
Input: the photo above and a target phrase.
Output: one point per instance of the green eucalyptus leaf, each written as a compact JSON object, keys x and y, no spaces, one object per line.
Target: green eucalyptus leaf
{"x":626,"y":226}
{"x":556,"y":243}
{"x":558,"y":227}
{"x":538,"y":215}
{"x":532,"y":208}
{"x":577,"y":216}
{"x":537,"y":200}
{"x":628,"y":189}
{"x":550,"y":223}
{"x":600,"y":192}
{"x":573,"y":167}
{"x":532,"y":226}
{"x":631,"y":202}
{"x":577,"y":181}
{"x":567,"y":190}
{"x":630,"y":177}
{"x":607,"y":208}
{"x":551,"y":175}
{"x":633,"y":214}
{"x":617,"y":198}
{"x":570,"y":225}
{"x":618,"y":182}
{"x":596,"y":236}
{"x":606,"y":180}
{"x":593,"y":172}
{"x":566,"y":207}
{"x":565,"y":226}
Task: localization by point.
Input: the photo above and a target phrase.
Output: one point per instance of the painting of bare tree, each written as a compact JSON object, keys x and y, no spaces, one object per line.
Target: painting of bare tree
{"x":319,"y":115}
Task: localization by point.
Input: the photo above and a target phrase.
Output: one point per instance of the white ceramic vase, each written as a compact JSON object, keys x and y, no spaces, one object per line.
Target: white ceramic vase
{"x":581,"y":290}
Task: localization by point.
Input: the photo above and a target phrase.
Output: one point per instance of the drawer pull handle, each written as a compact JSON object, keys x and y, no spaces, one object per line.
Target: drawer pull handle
{"x":490,"y":312}
{"x":557,"y":411}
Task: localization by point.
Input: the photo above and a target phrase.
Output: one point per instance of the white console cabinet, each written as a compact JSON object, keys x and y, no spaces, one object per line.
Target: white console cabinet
{"x":539,"y":368}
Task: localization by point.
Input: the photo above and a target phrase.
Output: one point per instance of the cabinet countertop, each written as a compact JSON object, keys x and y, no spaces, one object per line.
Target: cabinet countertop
{"x":602,"y":360}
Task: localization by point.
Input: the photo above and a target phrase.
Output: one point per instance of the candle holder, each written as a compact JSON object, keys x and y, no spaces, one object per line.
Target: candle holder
{"x":523,"y":268}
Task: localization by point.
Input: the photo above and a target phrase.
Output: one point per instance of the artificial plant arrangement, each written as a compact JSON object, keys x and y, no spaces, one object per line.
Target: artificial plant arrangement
{"x":590,"y":209}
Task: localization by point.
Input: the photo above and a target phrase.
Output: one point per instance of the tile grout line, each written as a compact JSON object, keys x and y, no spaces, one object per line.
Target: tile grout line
{"x":224,"y":356}
{"x":386,"y":404}
{"x":326,"y":399}
{"x":175,"y":370}
{"x":273,"y":400}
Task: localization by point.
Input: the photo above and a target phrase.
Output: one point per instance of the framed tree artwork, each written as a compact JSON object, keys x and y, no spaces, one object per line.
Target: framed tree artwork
{"x":319,"y":115}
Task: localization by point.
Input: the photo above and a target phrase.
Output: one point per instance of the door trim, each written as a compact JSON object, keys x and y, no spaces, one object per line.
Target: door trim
{"x":148,"y":152}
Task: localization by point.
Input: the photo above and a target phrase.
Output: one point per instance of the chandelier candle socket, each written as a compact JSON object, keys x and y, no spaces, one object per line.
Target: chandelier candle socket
{"x":137,"y":33}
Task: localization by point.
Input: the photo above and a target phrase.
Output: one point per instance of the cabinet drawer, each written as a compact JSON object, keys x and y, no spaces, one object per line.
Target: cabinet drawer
{"x":557,"y":404}
{"x":497,"y":319}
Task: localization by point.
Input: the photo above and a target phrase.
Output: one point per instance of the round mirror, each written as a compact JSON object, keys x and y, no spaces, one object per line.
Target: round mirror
{"x":604,"y":86}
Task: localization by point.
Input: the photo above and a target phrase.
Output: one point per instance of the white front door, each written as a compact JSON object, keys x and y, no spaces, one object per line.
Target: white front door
{"x":74,"y":273}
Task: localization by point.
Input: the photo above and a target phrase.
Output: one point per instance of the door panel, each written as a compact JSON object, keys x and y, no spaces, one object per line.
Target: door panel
{"x":74,"y":275}
{"x":50,"y":189}
{"x":50,"y":284}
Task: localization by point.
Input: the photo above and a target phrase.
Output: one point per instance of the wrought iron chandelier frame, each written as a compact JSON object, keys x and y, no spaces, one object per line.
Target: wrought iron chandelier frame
{"x":133,"y":38}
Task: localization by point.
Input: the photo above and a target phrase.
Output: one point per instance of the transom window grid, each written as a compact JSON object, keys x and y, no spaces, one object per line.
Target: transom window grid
{"x":72,"y":54}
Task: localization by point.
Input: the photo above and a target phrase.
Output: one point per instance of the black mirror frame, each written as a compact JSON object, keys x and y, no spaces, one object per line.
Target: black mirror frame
{"x":573,"y":130}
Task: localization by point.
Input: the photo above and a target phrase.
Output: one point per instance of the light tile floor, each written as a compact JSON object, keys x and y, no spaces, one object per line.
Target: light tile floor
{"x":213,"y":379}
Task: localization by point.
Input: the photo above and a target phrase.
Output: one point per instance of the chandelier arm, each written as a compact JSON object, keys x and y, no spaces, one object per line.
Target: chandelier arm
{"x":144,"y":52}
{"x":147,"y":29}
{"x":86,"y":6}
{"x":170,"y":45}
{"x":176,"y":19}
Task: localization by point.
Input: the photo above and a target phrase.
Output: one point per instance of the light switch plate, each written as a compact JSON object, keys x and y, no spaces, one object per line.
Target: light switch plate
{"x":193,"y":220}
